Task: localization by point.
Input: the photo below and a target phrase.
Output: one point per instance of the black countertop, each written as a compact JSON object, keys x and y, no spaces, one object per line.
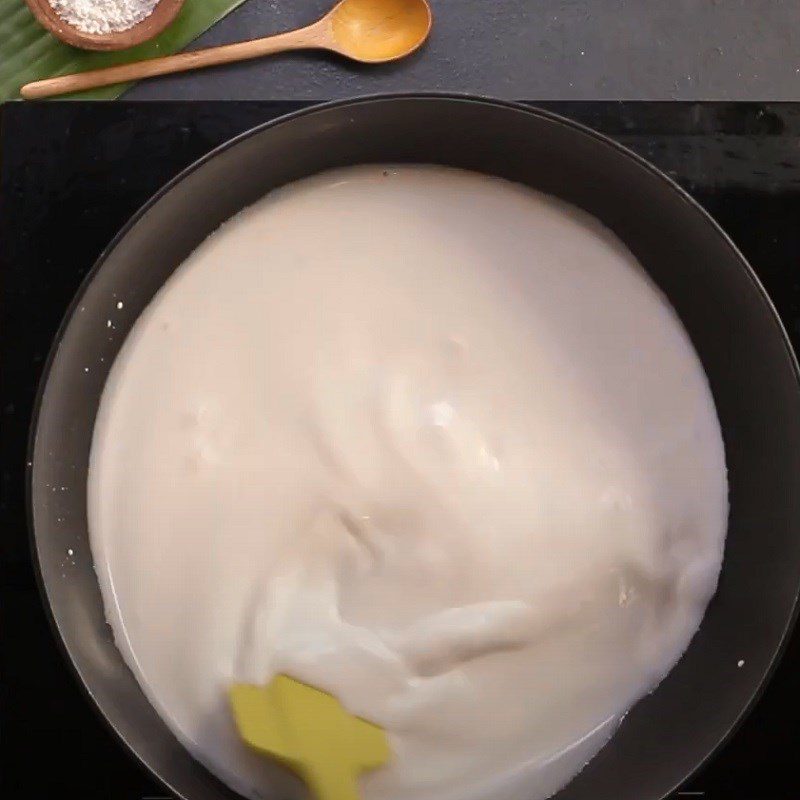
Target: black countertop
{"x":549,"y":49}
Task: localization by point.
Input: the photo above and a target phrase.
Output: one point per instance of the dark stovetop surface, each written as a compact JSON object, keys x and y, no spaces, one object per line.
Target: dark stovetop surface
{"x":70,"y":176}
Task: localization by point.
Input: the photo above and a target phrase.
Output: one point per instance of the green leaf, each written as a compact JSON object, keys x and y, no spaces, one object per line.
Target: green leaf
{"x":29,"y":53}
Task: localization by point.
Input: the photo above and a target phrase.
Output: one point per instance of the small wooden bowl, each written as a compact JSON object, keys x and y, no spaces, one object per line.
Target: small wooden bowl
{"x":163,"y":14}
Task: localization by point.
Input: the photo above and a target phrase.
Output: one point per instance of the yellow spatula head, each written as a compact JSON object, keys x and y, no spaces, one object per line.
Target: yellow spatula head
{"x":308,"y":731}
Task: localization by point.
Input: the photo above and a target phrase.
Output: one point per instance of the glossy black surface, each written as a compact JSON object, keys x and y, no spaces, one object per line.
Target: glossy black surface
{"x":73,"y":173}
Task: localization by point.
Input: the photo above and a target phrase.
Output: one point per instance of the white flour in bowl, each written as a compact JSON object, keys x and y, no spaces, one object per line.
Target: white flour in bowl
{"x":430,"y":441}
{"x":103,"y":16}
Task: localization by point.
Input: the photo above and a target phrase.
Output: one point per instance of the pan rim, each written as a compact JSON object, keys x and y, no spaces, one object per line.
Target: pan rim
{"x":312,"y":109}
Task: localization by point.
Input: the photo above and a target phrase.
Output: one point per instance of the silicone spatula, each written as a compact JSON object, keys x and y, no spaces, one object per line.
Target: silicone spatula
{"x":309,"y":731}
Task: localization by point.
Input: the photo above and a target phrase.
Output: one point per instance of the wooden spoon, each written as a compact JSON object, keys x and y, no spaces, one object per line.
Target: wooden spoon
{"x":370,"y":31}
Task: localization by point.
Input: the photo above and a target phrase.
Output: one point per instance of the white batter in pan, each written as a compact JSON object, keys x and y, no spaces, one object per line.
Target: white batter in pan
{"x":430,"y":441}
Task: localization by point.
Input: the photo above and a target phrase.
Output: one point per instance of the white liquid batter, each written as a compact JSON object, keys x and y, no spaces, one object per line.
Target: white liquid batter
{"x":427,"y":440}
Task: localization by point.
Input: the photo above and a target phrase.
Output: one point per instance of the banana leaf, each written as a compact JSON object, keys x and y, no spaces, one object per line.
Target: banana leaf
{"x":28,"y":52}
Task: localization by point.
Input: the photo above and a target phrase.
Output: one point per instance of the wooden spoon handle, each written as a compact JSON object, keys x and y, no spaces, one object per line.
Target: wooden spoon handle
{"x":305,"y":38}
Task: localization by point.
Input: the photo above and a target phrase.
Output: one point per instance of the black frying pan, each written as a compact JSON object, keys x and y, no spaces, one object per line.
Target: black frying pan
{"x":746,"y":353}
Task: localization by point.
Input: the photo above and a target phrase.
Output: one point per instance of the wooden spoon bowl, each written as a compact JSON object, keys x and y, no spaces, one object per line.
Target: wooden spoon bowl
{"x":163,"y":14}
